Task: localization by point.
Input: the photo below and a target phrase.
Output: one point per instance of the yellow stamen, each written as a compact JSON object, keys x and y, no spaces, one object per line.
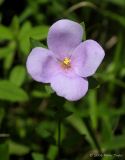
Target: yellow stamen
{"x":66,"y":63}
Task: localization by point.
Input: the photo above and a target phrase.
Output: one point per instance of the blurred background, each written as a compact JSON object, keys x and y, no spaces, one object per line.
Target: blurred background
{"x":29,"y":110}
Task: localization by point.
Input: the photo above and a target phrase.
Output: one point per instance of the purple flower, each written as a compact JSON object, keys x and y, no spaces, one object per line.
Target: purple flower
{"x":68,"y":61}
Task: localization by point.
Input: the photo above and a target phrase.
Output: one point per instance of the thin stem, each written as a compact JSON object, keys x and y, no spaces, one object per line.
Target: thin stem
{"x":59,"y":139}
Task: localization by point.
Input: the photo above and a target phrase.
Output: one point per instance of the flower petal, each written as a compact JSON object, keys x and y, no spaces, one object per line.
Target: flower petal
{"x":70,"y":88}
{"x":41,"y":65}
{"x":64,"y":36}
{"x":87,"y":57}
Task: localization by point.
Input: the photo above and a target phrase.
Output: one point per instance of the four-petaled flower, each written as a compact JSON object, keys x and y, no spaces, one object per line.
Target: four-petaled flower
{"x":67,"y":62}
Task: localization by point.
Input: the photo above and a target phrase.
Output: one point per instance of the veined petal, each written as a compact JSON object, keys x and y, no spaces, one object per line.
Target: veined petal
{"x":41,"y":65}
{"x":87,"y":57}
{"x":70,"y":88}
{"x":64,"y":36}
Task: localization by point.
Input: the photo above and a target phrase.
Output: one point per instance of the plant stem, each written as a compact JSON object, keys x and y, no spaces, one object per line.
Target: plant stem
{"x":59,"y":139}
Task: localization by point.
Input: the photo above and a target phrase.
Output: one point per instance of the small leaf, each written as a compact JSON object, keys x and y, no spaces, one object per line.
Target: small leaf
{"x":5,"y":33}
{"x":7,"y":50}
{"x":17,"y":75}
{"x":27,"y":32}
{"x":39,"y":32}
{"x":11,"y":92}
{"x":52,"y":152}
{"x":18,"y":149}
{"x":8,"y":61}
{"x":37,"y":156}
{"x":24,"y":35}
{"x":48,"y":89}
{"x":15,"y":25}
{"x":84,"y":29}
{"x":40,"y":94}
{"x":45,"y":129}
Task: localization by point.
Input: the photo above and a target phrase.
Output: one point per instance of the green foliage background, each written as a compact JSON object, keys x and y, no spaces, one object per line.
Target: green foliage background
{"x":29,"y":111}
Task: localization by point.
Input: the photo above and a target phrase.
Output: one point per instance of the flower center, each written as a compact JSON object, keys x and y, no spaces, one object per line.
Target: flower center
{"x":66,"y":63}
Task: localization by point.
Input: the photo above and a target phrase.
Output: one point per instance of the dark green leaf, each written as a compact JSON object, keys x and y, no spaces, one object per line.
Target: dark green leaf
{"x":38,"y":156}
{"x":4,"y":150}
{"x":45,"y":129}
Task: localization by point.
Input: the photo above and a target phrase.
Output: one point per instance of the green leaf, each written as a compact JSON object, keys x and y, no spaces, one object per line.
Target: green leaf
{"x":5,"y":33}
{"x":27,"y":32}
{"x":115,"y":143}
{"x":1,"y":1}
{"x":45,"y":129}
{"x":93,"y":108}
{"x":5,"y":51}
{"x":18,"y":149}
{"x":17,"y":75}
{"x":11,"y":92}
{"x":15,"y":25}
{"x":52,"y":152}
{"x":80,"y":126}
{"x":40,"y":94}
{"x":8,"y":61}
{"x":37,"y":156}
{"x":84,"y":29}
{"x":48,"y":89}
{"x":39,"y":32}
{"x":106,"y":129}
{"x":24,"y":35}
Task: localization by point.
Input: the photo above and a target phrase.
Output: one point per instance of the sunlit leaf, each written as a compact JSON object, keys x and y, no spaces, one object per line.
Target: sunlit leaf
{"x":17,"y":75}
{"x":5,"y":33}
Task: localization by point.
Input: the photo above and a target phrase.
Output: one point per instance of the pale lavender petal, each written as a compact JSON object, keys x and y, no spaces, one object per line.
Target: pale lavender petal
{"x":41,"y":65}
{"x":87,"y":57}
{"x":64,"y":36}
{"x":72,"y":89}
